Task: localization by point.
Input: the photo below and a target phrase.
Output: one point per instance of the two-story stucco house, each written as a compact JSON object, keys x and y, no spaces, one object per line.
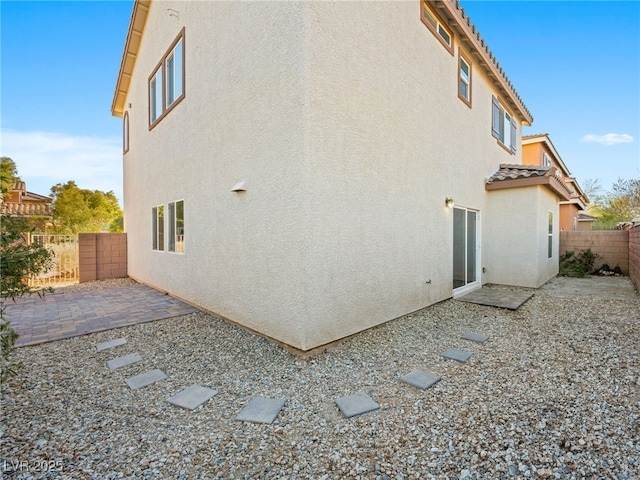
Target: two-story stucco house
{"x":312,"y":169}
{"x":539,"y":150}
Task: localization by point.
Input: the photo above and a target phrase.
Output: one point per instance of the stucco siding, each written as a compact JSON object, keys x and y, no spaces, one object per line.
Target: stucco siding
{"x":241,"y":120}
{"x":381,"y":163}
{"x":517,"y":251}
{"x":343,"y":119}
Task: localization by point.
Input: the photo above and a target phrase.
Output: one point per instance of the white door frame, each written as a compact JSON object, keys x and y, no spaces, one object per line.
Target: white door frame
{"x":478,"y":281}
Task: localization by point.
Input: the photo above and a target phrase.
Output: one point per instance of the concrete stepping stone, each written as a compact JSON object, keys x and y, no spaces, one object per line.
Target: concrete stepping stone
{"x":110,"y":344}
{"x":420,"y":379}
{"x":192,"y":397}
{"x":457,"y":355}
{"x":356,"y":404}
{"x":124,"y":361}
{"x":475,"y":337}
{"x":261,"y":410}
{"x":145,"y":379}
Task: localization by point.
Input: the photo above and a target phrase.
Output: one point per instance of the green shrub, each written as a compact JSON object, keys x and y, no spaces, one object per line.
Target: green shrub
{"x":19,"y":260}
{"x":580,"y":265}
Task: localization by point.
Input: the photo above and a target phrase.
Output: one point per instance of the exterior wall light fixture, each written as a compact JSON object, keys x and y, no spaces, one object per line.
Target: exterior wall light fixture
{"x":239,"y":187}
{"x":449,"y":202}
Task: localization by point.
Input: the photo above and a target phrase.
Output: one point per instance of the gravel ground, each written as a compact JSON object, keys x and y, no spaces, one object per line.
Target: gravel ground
{"x":554,"y":393}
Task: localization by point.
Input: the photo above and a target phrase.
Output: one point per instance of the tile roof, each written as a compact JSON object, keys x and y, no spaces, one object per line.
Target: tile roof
{"x":515,"y":171}
{"x":514,"y":175}
{"x":534,"y":135}
{"x":484,"y":49}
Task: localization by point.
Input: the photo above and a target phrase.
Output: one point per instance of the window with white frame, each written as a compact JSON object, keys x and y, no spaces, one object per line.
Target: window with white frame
{"x":550,"y":236}
{"x":546,"y":161}
{"x":166,"y":83}
{"x":176,"y":226}
{"x":157,"y":227}
{"x":433,"y":23}
{"x":464,"y":79}
{"x":503,"y":126}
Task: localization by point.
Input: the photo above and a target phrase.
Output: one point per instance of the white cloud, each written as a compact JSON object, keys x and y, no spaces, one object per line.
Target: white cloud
{"x":608,"y":139}
{"x":45,"y":159}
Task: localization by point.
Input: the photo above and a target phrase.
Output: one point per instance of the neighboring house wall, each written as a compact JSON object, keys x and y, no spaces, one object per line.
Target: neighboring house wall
{"x":569,"y":217}
{"x":521,"y":245}
{"x":585,"y":225}
{"x":532,"y":153}
{"x":326,"y":111}
{"x":102,"y":255}
{"x":634,"y":256}
{"x":612,"y":246}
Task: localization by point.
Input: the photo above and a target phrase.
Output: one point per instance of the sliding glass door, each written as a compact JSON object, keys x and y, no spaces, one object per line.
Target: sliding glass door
{"x":465,"y":248}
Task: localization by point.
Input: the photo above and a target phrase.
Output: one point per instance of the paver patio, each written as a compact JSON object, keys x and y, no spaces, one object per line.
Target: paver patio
{"x":66,"y":314}
{"x":495,"y":297}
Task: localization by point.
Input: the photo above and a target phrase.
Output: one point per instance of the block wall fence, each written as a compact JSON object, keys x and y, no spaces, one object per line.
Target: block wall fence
{"x":102,"y":255}
{"x":612,"y":246}
{"x":634,"y":256}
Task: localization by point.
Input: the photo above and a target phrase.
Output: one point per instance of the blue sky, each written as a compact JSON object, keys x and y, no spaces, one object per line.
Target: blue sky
{"x":575,"y":64}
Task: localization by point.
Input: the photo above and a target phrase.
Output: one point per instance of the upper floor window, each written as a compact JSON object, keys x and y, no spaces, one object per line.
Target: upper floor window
{"x":166,"y":83}
{"x":125,"y":132}
{"x":464,"y":79}
{"x":503,"y":126}
{"x":433,"y":23}
{"x":546,"y":161}
{"x":174,"y":74}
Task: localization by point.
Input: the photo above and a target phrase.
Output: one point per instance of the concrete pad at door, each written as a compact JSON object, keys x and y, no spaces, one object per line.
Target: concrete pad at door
{"x":110,"y":344}
{"x":457,"y":355}
{"x":145,"y":379}
{"x":261,"y":410}
{"x":475,"y":337}
{"x":124,"y":361}
{"x":356,"y":404}
{"x":420,"y":379}
{"x":192,"y":397}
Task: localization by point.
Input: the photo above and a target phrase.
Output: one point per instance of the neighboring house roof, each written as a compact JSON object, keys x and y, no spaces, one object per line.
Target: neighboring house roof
{"x":578,"y":197}
{"x":544,"y":138}
{"x":22,"y":202}
{"x":455,"y":16}
{"x":583,"y":217}
{"x":513,"y":176}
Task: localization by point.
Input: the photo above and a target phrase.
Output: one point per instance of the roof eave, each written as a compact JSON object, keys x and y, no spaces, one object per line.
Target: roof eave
{"x":546,"y":140}
{"x":468,"y":35}
{"x":134,"y":36}
{"x":546,"y":181}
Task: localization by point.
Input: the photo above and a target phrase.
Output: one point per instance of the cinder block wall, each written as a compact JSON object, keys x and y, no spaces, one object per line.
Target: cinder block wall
{"x":102,"y":255}
{"x":611,"y":245}
{"x":634,"y":256}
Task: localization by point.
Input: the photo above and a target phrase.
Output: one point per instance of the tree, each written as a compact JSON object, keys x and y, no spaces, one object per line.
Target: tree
{"x":622,"y":204}
{"x":8,"y":175}
{"x":19,"y":260}
{"x":79,"y":210}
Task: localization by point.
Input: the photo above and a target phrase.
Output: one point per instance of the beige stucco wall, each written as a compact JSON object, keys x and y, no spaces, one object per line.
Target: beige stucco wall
{"x":344,"y":121}
{"x":517,"y":220}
